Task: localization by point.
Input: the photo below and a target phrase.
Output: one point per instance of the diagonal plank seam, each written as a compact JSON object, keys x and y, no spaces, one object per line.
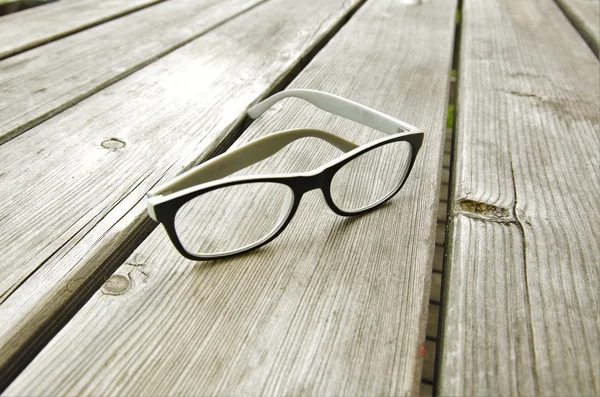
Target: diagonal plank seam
{"x":89,"y":285}
{"x":86,"y":228}
{"x":278,"y":85}
{"x":11,"y":134}
{"x":59,"y":36}
{"x":575,"y":20}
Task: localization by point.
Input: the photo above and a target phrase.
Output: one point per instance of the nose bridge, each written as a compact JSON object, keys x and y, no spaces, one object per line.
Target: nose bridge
{"x":312,"y":182}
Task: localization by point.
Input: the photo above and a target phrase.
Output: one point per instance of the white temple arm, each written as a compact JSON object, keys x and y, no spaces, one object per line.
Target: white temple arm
{"x":339,"y":106}
{"x":246,"y":155}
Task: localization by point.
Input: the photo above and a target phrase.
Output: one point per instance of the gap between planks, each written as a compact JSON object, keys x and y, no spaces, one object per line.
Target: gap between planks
{"x":585,"y":17}
{"x":430,"y":363}
{"x":34,"y":27}
{"x":43,"y":82}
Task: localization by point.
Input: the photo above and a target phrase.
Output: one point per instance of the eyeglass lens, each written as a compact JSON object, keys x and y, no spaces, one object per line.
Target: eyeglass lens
{"x":233,"y":218}
{"x":372,"y":177}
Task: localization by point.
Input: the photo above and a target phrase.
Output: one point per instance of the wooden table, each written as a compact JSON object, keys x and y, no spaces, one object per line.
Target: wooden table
{"x":102,"y":101}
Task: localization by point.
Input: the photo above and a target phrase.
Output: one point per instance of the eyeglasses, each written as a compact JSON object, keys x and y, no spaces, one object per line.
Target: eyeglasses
{"x":208,"y":217}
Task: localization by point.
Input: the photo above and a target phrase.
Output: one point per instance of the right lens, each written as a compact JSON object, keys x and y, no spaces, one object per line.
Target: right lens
{"x":233,"y":218}
{"x":372,"y":177}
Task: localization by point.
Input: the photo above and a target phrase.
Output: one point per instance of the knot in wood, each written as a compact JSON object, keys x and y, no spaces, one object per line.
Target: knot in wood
{"x":113,"y":144}
{"x":484,"y":211}
{"x":117,"y":284}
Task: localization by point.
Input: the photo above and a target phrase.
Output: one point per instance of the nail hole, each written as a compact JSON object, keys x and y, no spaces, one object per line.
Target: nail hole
{"x":113,"y":143}
{"x":117,"y":284}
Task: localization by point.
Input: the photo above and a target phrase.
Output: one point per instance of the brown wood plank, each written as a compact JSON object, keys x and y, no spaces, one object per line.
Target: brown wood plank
{"x":332,"y":306}
{"x":436,"y":287}
{"x":426,"y":390}
{"x":40,"y":83}
{"x":442,"y":210}
{"x":438,"y":260}
{"x":30,"y":28}
{"x":432,"y":321}
{"x":520,"y":300}
{"x":73,"y":187}
{"x":585,"y":16}
{"x":429,"y":360}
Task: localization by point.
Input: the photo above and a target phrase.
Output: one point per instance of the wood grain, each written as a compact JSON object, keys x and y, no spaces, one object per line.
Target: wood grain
{"x":40,"y":83}
{"x":30,"y":28}
{"x":333,"y":306}
{"x":585,"y":16}
{"x":82,"y":176}
{"x":520,"y":303}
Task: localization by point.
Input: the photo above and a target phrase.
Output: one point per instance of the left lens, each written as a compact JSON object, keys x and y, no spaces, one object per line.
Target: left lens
{"x":372,"y":177}
{"x":233,"y":218}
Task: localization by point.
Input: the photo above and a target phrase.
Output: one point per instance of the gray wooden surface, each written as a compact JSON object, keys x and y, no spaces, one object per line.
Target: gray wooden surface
{"x":334,"y":306}
{"x":521,"y":295}
{"x":79,"y":208}
{"x":42,"y":82}
{"x":33,"y":27}
{"x":585,"y":16}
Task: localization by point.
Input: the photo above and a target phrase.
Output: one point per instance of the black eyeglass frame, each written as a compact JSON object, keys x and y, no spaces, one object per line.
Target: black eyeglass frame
{"x":299,"y":183}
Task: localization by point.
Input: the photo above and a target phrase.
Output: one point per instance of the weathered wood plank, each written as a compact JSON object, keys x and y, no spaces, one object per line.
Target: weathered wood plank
{"x":520,"y":300}
{"x":30,"y":28}
{"x":78,"y":210}
{"x":40,"y":83}
{"x":585,"y":16}
{"x":332,"y":306}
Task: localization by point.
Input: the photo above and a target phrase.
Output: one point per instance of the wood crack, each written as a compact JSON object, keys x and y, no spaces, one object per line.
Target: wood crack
{"x":526,"y":94}
{"x":526,"y":280}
